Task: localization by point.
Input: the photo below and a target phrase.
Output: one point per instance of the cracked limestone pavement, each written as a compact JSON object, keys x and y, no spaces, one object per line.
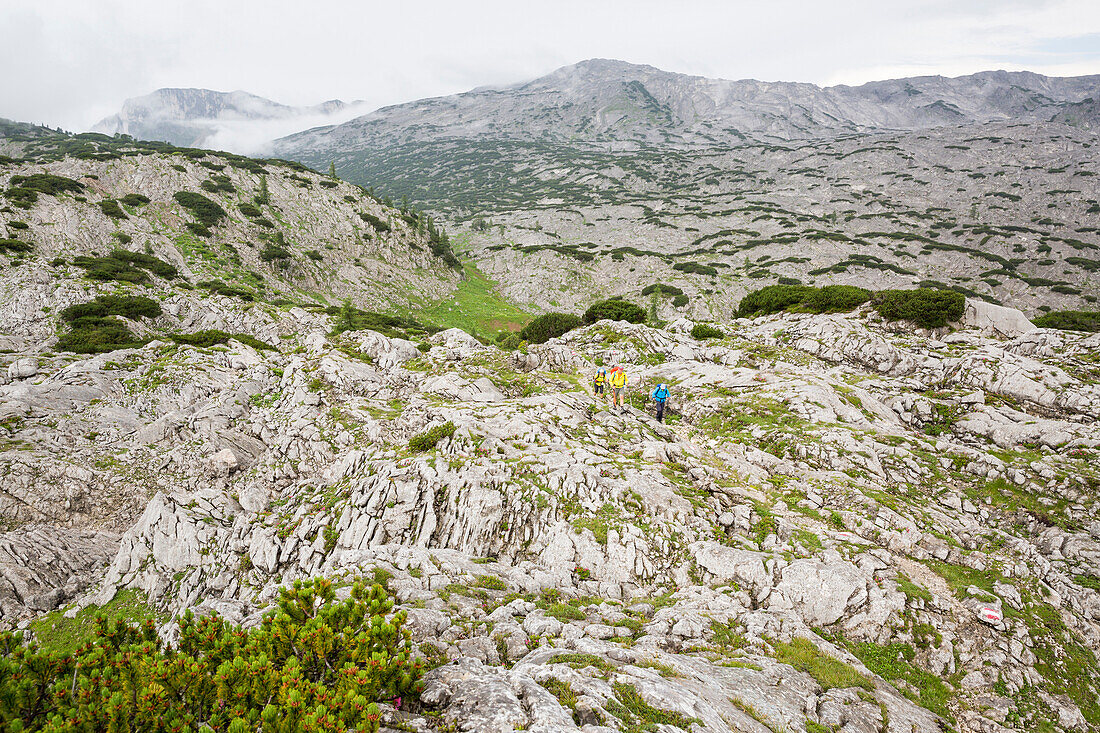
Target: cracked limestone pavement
{"x":844,"y":526}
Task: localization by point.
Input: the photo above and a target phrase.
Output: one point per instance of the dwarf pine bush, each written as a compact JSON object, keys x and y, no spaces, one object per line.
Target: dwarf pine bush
{"x":312,"y":665}
{"x":928,"y":308}
{"x":548,"y":326}
{"x":615,"y":309}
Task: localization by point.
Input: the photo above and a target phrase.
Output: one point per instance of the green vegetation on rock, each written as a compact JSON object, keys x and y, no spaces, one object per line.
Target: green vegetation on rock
{"x":214,"y":337}
{"x":429,"y":438}
{"x":206,"y":211}
{"x":927,"y":308}
{"x":1070,"y":320}
{"x":802,"y":299}
{"x":314,"y":664}
{"x":548,"y":326}
{"x":615,"y":309}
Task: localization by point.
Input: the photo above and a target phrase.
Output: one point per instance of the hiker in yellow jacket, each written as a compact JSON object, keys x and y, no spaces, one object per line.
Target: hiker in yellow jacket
{"x":617,"y":381}
{"x":599,"y":383}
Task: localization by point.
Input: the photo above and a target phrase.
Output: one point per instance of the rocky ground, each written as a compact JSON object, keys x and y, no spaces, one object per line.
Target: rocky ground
{"x":844,"y":525}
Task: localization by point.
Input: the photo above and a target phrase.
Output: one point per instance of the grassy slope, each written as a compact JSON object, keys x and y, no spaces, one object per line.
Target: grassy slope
{"x":476,"y":307}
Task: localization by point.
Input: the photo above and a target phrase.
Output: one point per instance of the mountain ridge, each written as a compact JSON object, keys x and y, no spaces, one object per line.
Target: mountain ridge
{"x":197,"y":117}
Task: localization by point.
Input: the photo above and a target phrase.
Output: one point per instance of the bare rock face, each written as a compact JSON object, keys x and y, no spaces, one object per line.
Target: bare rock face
{"x":42,"y":566}
{"x":996,"y":320}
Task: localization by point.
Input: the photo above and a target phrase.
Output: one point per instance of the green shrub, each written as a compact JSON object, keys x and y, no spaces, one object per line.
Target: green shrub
{"x":220,"y":288}
{"x":377,"y":224}
{"x":95,"y":335}
{"x":15,"y":245}
{"x":314,"y":255}
{"x":218,"y":184}
{"x":15,"y":224}
{"x":123,"y":238}
{"x":206,"y":211}
{"x":510,"y":341}
{"x":662,"y":289}
{"x":615,"y":309}
{"x":548,"y":326}
{"x":802,"y":298}
{"x":313,"y":664}
{"x":214,"y":337}
{"x":274,"y":253}
{"x":680,"y":301}
{"x":47,"y":183}
{"x":706,"y":331}
{"x":926,"y":307}
{"x":134,"y":199}
{"x":349,"y":318}
{"x":695,"y":268}
{"x":24,"y":198}
{"x":249,"y":210}
{"x":1070,"y":320}
{"x":429,"y":438}
{"x":124,"y":266}
{"x":129,"y":306}
{"x":111,"y":208}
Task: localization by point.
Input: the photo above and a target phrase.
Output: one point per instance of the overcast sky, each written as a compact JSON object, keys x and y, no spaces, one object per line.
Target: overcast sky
{"x":72,"y":63}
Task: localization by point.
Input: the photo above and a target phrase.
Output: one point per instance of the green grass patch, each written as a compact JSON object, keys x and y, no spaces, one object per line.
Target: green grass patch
{"x":429,"y":438}
{"x":55,"y":632}
{"x":476,"y":307}
{"x":829,"y":672}
{"x":638,"y":716}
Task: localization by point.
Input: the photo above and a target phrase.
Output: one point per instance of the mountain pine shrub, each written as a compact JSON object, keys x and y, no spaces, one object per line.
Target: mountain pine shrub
{"x":206,"y":211}
{"x":1070,"y":320}
{"x":376,"y":224}
{"x":129,"y":306}
{"x":111,"y":208}
{"x":615,"y":309}
{"x":802,"y":299}
{"x":548,"y":326}
{"x":662,"y":288}
{"x":926,"y":307}
{"x":314,"y":665}
{"x":349,"y":318}
{"x":124,"y":266}
{"x":706,"y":331}
{"x":47,"y":183}
{"x":216,"y":337}
{"x":221,"y":288}
{"x":695,"y":268}
{"x":134,"y":199}
{"x":97,"y":335}
{"x":15,"y":246}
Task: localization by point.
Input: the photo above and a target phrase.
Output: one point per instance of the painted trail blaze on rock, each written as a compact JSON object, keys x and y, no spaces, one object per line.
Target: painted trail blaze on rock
{"x":990,"y":615}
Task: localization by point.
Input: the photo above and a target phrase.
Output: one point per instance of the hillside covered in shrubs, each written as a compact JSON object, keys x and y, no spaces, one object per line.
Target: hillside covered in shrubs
{"x":232,"y":243}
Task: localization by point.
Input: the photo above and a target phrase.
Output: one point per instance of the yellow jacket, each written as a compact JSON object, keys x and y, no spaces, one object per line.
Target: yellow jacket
{"x":618,"y":379}
{"x":601,"y":377}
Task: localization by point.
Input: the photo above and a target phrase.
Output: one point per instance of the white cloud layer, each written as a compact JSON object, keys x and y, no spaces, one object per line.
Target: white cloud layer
{"x":72,"y":62}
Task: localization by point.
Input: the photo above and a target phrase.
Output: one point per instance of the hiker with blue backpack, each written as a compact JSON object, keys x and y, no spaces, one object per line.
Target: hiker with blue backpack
{"x":660,"y":396}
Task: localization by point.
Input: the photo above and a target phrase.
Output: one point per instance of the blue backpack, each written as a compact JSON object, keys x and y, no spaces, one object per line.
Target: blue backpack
{"x":660,"y":394}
